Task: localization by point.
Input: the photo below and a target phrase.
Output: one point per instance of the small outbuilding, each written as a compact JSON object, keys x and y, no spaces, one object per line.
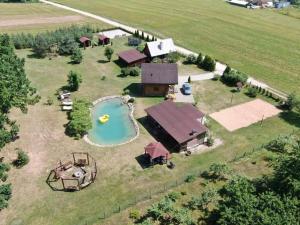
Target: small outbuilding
{"x":158,"y":79}
{"x":85,"y":41}
{"x":181,"y":124}
{"x":159,"y":48}
{"x":157,"y":153}
{"x":132,"y":57}
{"x":103,"y":40}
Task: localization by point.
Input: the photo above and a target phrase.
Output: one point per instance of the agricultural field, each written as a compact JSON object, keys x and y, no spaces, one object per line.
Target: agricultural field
{"x":42,"y":135}
{"x":261,"y":43}
{"x":36,"y":17}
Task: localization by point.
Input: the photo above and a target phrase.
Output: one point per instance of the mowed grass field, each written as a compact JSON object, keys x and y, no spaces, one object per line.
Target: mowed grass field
{"x":37,"y":17}
{"x":121,"y":179}
{"x":262,"y":43}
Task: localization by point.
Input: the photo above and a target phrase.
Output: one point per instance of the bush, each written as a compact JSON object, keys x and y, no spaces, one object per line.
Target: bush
{"x":140,"y":47}
{"x":190,"y":178}
{"x":41,"y":46}
{"x":252,"y":92}
{"x":233,"y":77}
{"x":108,"y":52}
{"x":49,"y":101}
{"x":173,"y":57}
{"x":208,"y":64}
{"x":5,"y":195}
{"x":67,"y":45}
{"x":135,"y":214}
{"x":210,"y":140}
{"x":282,"y":144}
{"x":80,"y":120}
{"x":293,"y":101}
{"x":199,"y":59}
{"x":103,"y":78}
{"x":4,"y":168}
{"x":217,"y":171}
{"x":22,"y":159}
{"x":174,"y":196}
{"x":77,"y":56}
{"x":191,"y":59}
{"x":74,"y":80}
{"x":126,"y":92}
{"x":132,"y":71}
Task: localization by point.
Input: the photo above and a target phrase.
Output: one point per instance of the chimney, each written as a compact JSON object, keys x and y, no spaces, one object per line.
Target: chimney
{"x":161,"y":45}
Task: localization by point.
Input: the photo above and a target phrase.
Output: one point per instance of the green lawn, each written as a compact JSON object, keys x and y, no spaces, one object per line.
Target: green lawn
{"x":31,"y":12}
{"x":121,"y":179}
{"x":262,"y":43}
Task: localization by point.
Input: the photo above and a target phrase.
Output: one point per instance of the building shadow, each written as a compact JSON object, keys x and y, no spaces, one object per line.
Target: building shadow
{"x":143,"y":161}
{"x":159,"y":135}
{"x":135,"y":89}
{"x":119,"y":63}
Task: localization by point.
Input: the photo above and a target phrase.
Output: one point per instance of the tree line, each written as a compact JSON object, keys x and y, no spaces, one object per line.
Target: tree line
{"x":15,"y":92}
{"x":63,"y":41}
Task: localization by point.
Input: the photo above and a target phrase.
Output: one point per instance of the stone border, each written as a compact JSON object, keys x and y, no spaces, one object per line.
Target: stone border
{"x":131,"y":108}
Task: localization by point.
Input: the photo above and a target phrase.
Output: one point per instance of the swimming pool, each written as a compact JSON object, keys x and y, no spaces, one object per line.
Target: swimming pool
{"x":121,"y":127}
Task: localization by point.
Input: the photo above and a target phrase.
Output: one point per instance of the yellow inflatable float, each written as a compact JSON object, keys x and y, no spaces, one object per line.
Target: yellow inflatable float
{"x":104,"y":118}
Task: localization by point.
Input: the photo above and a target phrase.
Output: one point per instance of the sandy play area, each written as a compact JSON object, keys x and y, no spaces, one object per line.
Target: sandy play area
{"x":243,"y":115}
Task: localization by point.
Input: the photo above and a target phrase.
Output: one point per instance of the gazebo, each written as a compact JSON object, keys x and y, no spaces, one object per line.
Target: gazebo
{"x":103,"y":40}
{"x":157,"y":153}
{"x":86,"y":42}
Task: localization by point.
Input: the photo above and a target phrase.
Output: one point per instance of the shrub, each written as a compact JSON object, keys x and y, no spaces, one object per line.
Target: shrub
{"x":103,"y":78}
{"x":208,"y":64}
{"x":135,"y":214}
{"x":74,"y":80}
{"x":282,"y":144}
{"x":67,"y":45}
{"x":126,"y":92}
{"x":41,"y":46}
{"x":191,"y":59}
{"x":199,"y":59}
{"x":190,"y":178}
{"x":49,"y":100}
{"x":210,"y":140}
{"x":4,"y":168}
{"x":5,"y":195}
{"x":22,"y":159}
{"x":227,"y":70}
{"x":108,"y":52}
{"x":140,"y":47}
{"x":293,"y":101}
{"x":252,"y":92}
{"x":132,"y":71}
{"x":233,"y":77}
{"x":80,"y":121}
{"x":217,"y":171}
{"x":156,"y":60}
{"x":173,"y":57}
{"x":77,"y":56}
{"x":174,"y":196}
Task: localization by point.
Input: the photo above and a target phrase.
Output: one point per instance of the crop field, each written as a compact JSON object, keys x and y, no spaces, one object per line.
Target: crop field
{"x":38,"y":17}
{"x":262,"y":43}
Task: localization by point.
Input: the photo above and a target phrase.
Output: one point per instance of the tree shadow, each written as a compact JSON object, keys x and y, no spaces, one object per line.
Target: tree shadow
{"x":103,"y":61}
{"x":291,"y":118}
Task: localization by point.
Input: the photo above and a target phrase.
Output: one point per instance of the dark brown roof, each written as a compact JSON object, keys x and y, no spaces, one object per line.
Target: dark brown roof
{"x":84,"y":39}
{"x":131,"y":56}
{"x":155,"y":73}
{"x":156,"y":149}
{"x":182,"y":121}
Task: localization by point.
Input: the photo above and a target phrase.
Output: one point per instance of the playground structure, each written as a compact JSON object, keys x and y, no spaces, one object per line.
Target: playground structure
{"x":73,"y":175}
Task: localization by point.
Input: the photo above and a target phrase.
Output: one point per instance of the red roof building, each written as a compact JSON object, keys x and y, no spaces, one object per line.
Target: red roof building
{"x":132,"y":57}
{"x":157,"y":150}
{"x":86,"y":42}
{"x":103,"y":40}
{"x":181,"y":122}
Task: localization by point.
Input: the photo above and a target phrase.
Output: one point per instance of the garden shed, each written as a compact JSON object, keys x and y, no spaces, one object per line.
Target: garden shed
{"x":157,"y":79}
{"x":85,"y":41}
{"x":179,"y":123}
{"x":103,"y":40}
{"x":132,"y":57}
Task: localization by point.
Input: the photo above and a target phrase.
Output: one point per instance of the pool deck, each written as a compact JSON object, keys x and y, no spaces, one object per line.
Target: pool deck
{"x":136,"y":126}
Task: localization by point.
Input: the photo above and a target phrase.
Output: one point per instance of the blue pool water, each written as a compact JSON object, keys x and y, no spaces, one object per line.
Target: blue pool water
{"x":118,"y":129}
